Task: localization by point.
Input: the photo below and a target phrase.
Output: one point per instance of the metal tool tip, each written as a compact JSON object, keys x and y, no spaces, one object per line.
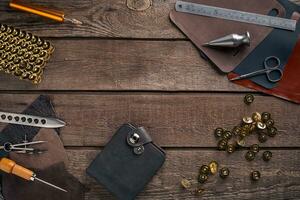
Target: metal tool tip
{"x":234,"y":79}
{"x":73,"y":21}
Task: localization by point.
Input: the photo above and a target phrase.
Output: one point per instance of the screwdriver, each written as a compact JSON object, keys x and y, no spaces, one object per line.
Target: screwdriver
{"x":11,"y":167}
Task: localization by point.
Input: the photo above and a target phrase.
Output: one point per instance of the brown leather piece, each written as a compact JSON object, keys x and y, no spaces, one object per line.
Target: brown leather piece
{"x":289,"y":87}
{"x":202,"y":29}
{"x":49,"y":166}
{"x":55,"y":151}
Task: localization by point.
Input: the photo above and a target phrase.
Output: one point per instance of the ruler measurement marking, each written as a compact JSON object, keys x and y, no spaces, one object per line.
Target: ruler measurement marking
{"x":235,"y":15}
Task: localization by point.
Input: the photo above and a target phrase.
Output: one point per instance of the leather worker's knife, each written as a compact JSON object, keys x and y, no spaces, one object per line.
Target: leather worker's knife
{"x":31,"y":120}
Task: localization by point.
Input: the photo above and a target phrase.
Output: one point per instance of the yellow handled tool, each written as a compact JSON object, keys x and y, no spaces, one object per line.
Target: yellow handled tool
{"x":11,"y":167}
{"x":41,"y":11}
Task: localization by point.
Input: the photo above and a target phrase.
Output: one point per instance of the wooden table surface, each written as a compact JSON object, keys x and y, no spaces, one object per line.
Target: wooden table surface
{"x":128,"y":66}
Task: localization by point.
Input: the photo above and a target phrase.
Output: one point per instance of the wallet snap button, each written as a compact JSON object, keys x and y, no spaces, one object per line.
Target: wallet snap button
{"x":134,"y":138}
{"x":139,"y":150}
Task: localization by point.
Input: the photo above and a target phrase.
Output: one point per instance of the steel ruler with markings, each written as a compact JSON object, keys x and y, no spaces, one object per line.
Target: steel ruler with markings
{"x":236,"y":15}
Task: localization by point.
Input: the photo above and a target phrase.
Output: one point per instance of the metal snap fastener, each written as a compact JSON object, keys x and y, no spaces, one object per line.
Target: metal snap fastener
{"x":134,"y":138}
{"x":139,"y":150}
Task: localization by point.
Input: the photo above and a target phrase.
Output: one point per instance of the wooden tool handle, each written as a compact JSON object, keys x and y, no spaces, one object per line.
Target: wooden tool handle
{"x":11,"y":167}
{"x":57,"y":16}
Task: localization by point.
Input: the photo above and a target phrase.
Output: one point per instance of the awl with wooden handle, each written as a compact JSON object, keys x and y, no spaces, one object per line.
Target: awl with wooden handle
{"x":11,"y":167}
{"x":43,"y":12}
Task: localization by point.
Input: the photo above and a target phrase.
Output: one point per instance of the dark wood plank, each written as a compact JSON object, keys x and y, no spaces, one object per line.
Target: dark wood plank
{"x":126,"y":65}
{"x":280,"y":177}
{"x":101,"y":18}
{"x":173,"y":120}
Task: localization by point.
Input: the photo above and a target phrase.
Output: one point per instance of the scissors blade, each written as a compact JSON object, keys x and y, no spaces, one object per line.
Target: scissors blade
{"x":31,"y":120}
{"x":235,"y":78}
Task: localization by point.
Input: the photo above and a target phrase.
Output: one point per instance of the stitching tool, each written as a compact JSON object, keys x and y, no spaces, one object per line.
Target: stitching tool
{"x":271,"y":65}
{"x":44,"y":12}
{"x":30,"y":120}
{"x":10,"y":167}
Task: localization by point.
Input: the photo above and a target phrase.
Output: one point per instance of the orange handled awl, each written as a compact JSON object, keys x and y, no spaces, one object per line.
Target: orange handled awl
{"x":11,"y":167}
{"x":41,"y":11}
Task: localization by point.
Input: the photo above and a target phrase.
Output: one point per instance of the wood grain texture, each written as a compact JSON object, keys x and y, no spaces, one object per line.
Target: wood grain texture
{"x":125,"y":65}
{"x":101,"y":18}
{"x":280,"y":177}
{"x":173,"y":120}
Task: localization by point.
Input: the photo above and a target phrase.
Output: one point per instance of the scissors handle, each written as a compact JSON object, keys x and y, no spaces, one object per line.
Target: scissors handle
{"x":274,"y":80}
{"x":273,"y":67}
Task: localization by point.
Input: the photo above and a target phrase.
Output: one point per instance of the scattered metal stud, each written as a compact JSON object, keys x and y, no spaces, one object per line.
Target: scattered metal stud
{"x":241,"y":143}
{"x":270,"y":123}
{"x":249,"y":98}
{"x":236,"y":130}
{"x":267,"y":155}
{"x":204,"y":169}
{"x":255,"y":175}
{"x":202,"y":178}
{"x":230,"y":148}
{"x":272,"y":131}
{"x":250,"y":155}
{"x":262,"y":138}
{"x":222,"y":145}
{"x":219,"y":132}
{"x":265,"y":116}
{"x":254,"y":148}
{"x":213,"y":166}
{"x":256,"y":117}
{"x":227,"y":135}
{"x":199,"y":191}
{"x":224,"y":172}
{"x":261,"y":126}
{"x":185,"y":183}
{"x":247,"y":120}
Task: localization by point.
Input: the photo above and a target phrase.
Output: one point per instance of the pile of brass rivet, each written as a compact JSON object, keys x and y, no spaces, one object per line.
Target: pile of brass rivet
{"x":260,"y":124}
{"x":22,"y":54}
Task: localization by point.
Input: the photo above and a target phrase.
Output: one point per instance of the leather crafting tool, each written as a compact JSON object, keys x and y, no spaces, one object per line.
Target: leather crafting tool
{"x":271,"y":70}
{"x":55,"y":152}
{"x":31,"y":120}
{"x":8,"y":147}
{"x":203,"y":29}
{"x":14,"y":188}
{"x":42,"y":11}
{"x":289,"y":87}
{"x":279,"y":43}
{"x":235,"y":15}
{"x":12,"y":133}
{"x":11,"y":167}
{"x":231,"y":41}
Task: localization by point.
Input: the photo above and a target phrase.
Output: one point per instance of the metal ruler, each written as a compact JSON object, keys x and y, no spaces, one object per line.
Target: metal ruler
{"x":236,"y":15}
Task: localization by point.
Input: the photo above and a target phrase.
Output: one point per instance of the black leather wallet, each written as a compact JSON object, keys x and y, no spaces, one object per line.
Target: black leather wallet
{"x":128,"y":162}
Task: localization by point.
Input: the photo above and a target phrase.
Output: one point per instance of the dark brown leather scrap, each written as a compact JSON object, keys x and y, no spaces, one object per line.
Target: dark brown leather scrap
{"x":202,"y":29}
{"x":289,"y":87}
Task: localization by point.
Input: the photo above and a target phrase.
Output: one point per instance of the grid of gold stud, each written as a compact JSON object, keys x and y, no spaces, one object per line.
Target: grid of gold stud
{"x":23,"y":54}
